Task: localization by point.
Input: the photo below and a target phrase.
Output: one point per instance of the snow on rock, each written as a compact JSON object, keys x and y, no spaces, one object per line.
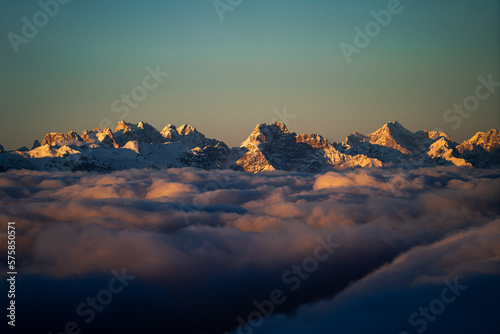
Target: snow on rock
{"x":268,"y":148}
{"x":489,"y":141}
{"x":62,"y":139}
{"x":483,"y":149}
{"x":98,"y":137}
{"x":170,"y":133}
{"x":274,"y":147}
{"x":141,"y":132}
{"x":446,"y":150}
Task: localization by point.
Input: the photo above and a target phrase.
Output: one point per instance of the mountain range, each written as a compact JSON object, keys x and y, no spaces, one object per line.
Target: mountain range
{"x":269,"y":147}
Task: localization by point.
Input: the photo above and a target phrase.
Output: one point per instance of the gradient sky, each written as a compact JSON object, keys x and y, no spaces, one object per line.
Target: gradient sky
{"x":227,"y":76}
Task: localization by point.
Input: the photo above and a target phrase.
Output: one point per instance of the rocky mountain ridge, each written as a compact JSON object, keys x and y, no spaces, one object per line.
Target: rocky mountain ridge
{"x":268,"y":148}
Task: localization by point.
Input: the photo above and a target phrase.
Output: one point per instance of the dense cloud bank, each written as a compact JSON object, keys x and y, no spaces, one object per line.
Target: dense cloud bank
{"x":353,"y":251}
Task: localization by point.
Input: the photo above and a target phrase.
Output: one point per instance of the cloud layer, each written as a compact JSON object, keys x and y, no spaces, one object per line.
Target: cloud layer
{"x":206,"y":244}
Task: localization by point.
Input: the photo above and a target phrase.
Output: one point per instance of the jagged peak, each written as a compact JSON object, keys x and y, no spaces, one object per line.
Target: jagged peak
{"x":53,"y":137}
{"x":122,"y":125}
{"x":443,"y":141}
{"x":392,"y":130}
{"x":395,"y":127}
{"x":23,"y":149}
{"x":435,"y":134}
{"x":169,"y":127}
{"x":170,"y":133}
{"x":311,"y":135}
{"x":355,"y":138}
{"x":146,"y":126}
{"x":264,"y":132}
{"x":281,"y":126}
{"x":104,"y":133}
{"x":125,"y":127}
{"x":62,"y":133}
{"x":488,"y":141}
{"x":270,"y":146}
{"x":493,"y":134}
{"x":107,"y":130}
{"x":70,"y":133}
{"x":274,"y":127}
{"x":394,"y":135}
{"x":36,"y":144}
{"x":186,"y":129}
{"x":313,"y":139}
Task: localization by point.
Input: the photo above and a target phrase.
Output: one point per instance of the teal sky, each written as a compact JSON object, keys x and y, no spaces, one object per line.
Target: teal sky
{"x":227,"y":76}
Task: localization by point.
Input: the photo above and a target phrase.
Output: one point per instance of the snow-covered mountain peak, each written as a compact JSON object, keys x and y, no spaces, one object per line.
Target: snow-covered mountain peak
{"x":393,"y":129}
{"x":189,"y":136}
{"x":186,"y":129}
{"x":170,"y":133}
{"x":443,"y":150}
{"x":269,"y":147}
{"x":488,"y":141}
{"x":434,"y":135}
{"x":107,"y":131}
{"x":169,"y":127}
{"x":356,"y":138}
{"x":264,"y":133}
{"x":314,"y":140}
{"x":281,"y":126}
{"x":395,"y":136}
{"x":141,"y":132}
{"x":123,"y":126}
{"x":61,"y":139}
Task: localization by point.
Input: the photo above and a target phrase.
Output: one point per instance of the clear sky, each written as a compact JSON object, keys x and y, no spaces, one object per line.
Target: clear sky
{"x":226,"y":76}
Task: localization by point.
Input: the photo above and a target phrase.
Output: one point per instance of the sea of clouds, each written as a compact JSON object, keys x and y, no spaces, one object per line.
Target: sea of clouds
{"x":207,"y":247}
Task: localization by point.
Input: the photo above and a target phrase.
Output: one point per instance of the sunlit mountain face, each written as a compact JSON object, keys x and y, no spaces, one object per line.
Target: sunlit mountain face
{"x":268,"y":148}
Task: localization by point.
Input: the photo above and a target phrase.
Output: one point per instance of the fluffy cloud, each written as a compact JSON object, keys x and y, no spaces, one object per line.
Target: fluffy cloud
{"x":414,"y":280}
{"x":215,"y":241}
{"x":162,"y":188}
